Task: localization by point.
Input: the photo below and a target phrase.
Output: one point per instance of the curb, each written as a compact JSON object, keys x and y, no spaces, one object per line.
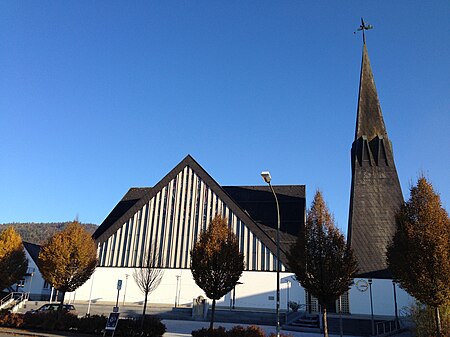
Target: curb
{"x":20,"y":332}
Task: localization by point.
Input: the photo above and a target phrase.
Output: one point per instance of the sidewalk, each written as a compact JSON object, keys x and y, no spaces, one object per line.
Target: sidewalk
{"x":174,"y":329}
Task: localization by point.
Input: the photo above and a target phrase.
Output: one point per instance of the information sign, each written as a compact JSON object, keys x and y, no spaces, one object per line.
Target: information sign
{"x":113,"y":319}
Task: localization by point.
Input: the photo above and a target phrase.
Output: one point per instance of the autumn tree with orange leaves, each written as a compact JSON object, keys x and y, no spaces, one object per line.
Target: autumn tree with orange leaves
{"x":419,"y":255}
{"x":321,"y":259}
{"x":216,"y":262}
{"x":68,"y":259}
{"x":13,"y":261}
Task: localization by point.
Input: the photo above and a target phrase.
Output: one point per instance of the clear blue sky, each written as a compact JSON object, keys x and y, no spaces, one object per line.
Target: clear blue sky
{"x":100,"y":96}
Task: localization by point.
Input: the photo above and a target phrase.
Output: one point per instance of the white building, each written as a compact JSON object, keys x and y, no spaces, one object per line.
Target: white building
{"x":33,"y":283}
{"x":174,"y":212}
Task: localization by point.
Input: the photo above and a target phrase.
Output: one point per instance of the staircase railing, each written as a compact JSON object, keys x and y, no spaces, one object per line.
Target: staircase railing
{"x":13,"y":298}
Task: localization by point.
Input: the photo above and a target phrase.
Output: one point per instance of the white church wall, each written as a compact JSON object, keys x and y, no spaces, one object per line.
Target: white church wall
{"x":258,"y":289}
{"x":382,"y":297}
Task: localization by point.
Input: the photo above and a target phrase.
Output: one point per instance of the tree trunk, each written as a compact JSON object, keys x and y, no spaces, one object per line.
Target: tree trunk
{"x":213,"y":309}
{"x":325,"y":321}
{"x":438,"y":322}
{"x":60,"y":307}
{"x":143,"y":311}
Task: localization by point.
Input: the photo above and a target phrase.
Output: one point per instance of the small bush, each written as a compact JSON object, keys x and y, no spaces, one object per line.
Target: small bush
{"x":250,"y":331}
{"x":216,"y":332}
{"x":94,"y":324}
{"x":236,"y":331}
{"x":153,"y":327}
{"x":11,"y":320}
{"x":50,"y":321}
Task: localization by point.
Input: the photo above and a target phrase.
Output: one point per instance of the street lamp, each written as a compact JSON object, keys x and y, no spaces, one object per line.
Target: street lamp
{"x":267,"y":178}
{"x":176,"y":290}
{"x":397,"y":326}
{"x":371,"y":307}
{"x":125,"y":290}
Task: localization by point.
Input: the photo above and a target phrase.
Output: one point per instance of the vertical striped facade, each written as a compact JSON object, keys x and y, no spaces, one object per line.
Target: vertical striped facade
{"x":170,"y":224}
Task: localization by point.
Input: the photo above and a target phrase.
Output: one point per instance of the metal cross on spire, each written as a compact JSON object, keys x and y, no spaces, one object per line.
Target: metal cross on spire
{"x":362,"y":28}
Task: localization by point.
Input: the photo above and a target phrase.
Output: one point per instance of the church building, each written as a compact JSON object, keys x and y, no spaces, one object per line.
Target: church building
{"x":169,"y":217}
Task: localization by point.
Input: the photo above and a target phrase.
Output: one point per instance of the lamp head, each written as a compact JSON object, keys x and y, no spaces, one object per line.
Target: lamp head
{"x":266,"y":176}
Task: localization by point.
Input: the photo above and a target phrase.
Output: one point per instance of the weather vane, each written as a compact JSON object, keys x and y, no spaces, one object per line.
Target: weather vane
{"x":362,"y":28}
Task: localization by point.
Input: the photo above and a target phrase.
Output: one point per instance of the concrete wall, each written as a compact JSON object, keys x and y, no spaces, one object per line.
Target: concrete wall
{"x":258,"y":289}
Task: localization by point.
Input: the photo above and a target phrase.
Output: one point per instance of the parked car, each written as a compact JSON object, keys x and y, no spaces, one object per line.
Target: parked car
{"x":50,"y":307}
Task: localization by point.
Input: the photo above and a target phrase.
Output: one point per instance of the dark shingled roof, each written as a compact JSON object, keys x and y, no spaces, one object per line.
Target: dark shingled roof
{"x":375,"y":191}
{"x":130,"y":198}
{"x":252,"y":204}
{"x":33,"y":250}
{"x":258,"y":202}
{"x":369,"y":120}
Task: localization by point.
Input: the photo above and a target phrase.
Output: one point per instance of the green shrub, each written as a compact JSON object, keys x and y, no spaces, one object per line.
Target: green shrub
{"x":424,"y":320}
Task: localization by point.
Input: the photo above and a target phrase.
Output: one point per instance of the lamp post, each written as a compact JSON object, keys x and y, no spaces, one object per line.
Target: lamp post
{"x":234,"y":293}
{"x":176,"y":290}
{"x":371,"y":307}
{"x":267,"y":178}
{"x":88,"y":313}
{"x":397,"y":325}
{"x":125,"y":290}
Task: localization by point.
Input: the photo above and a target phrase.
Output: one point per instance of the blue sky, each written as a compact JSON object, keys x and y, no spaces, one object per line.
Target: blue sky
{"x":100,"y":96}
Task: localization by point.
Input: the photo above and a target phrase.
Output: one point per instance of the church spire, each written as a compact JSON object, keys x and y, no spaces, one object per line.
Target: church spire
{"x":369,"y":121}
{"x":375,"y":191}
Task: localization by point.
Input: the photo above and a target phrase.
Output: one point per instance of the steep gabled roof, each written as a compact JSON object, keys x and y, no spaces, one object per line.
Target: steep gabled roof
{"x":135,"y":199}
{"x":33,"y":250}
{"x":130,"y":198}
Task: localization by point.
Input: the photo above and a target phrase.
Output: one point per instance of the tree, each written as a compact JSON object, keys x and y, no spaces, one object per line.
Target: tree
{"x":419,"y":255}
{"x":216,"y":262}
{"x":148,"y":277}
{"x":68,"y":259}
{"x":13,"y":261}
{"x":321,"y":259}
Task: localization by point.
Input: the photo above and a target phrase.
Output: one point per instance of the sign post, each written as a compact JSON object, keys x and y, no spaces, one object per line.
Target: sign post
{"x":119,"y":286}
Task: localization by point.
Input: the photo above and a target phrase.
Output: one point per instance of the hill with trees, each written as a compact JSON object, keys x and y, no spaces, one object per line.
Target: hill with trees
{"x":39,"y":233}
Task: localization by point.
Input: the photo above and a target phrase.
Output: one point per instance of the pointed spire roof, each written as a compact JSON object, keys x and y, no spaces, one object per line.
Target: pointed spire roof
{"x":375,"y":190}
{"x":369,"y":120}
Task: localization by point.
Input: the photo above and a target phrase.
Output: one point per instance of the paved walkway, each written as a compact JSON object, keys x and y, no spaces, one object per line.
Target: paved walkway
{"x":174,"y":329}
